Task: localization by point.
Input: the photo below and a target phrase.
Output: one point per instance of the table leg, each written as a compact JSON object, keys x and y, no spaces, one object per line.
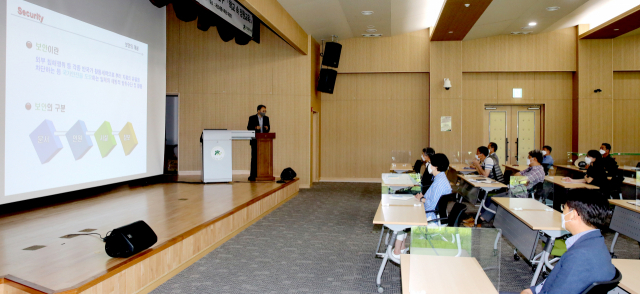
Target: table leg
{"x":384,"y":261}
{"x":380,"y":240}
{"x":544,"y":259}
{"x":613,"y":243}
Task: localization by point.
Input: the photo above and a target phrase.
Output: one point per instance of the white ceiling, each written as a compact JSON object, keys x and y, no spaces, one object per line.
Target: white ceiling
{"x":323,"y":18}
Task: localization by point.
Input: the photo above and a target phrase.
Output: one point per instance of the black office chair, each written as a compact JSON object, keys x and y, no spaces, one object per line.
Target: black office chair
{"x":536,"y":190}
{"x":441,"y":207}
{"x":604,"y":287}
{"x":615,"y":185}
{"x":417,"y":166}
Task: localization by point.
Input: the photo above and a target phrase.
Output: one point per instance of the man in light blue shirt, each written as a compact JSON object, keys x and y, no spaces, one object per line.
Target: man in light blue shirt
{"x":546,"y":153}
{"x":440,"y":186}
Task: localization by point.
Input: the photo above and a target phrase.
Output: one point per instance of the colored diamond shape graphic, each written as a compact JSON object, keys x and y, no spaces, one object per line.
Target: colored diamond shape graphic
{"x":78,"y":140}
{"x":128,"y":138}
{"x":105,"y":139}
{"x":47,"y":144}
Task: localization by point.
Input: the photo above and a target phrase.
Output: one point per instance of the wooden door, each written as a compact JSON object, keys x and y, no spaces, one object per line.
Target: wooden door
{"x":515,"y":129}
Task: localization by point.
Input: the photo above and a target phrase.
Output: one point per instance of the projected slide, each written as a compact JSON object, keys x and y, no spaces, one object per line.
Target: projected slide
{"x":76,"y":101}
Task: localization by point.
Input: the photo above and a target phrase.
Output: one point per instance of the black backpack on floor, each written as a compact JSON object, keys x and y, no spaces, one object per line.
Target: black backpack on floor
{"x":287,"y":174}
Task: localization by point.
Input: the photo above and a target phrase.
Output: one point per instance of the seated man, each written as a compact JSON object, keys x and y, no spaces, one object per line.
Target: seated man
{"x":493,"y":147}
{"x":485,"y":165}
{"x":546,"y":152}
{"x":609,"y":163}
{"x":587,"y":259}
{"x":427,"y":179}
{"x":534,"y":174}
{"x":440,"y":186}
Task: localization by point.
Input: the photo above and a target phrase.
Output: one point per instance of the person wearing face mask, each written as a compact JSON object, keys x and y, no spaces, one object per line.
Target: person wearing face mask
{"x":596,"y":174}
{"x":587,"y":259}
{"x":485,"y":166}
{"x":259,"y":123}
{"x":609,"y":163}
{"x":440,"y":186}
{"x":427,"y":178}
{"x":493,"y":147}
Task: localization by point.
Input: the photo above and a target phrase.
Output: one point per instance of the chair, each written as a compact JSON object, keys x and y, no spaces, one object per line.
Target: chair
{"x":417,"y":166}
{"x":536,"y":190}
{"x":604,"y":287}
{"x":546,"y":167}
{"x":441,"y":207}
{"x":615,"y":184}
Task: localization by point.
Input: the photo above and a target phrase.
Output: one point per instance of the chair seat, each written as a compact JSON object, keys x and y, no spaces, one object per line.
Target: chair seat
{"x":559,"y":247}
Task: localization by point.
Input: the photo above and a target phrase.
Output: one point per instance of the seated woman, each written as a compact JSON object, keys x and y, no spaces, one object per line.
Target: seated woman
{"x":427,"y":178}
{"x":440,"y":186}
{"x":596,"y":174}
{"x":534,"y":174}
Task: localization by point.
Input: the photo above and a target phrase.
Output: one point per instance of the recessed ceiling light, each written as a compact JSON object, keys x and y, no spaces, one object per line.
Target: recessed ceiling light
{"x":450,"y":32}
{"x":367,"y":12}
{"x":371,"y":30}
{"x":553,"y":8}
{"x":526,"y":33}
{"x":371,"y":35}
{"x":516,"y":33}
{"x":371,"y":26}
{"x":616,"y":29}
{"x":467,"y":5}
{"x":533,"y":23}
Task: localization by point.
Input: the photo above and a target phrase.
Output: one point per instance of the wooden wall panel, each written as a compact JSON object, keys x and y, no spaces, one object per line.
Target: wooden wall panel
{"x":626,"y":53}
{"x":626,"y":85}
{"x":595,"y":123}
{"x":360,"y":119}
{"x":553,"y":51}
{"x":553,"y":86}
{"x":480,"y":86}
{"x":403,"y":53}
{"x":508,"y":81}
{"x":558,"y":128}
{"x":472,"y":131}
{"x":446,"y":63}
{"x":220,"y":84}
{"x":279,"y":20}
{"x":626,"y":130}
{"x":446,"y":142}
{"x":173,"y":50}
{"x":596,"y":69}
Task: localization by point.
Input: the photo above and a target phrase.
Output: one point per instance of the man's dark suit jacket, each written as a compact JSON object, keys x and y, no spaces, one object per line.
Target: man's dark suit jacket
{"x":253,"y":123}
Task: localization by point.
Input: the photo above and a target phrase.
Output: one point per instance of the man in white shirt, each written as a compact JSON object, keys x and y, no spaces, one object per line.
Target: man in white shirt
{"x":485,"y":165}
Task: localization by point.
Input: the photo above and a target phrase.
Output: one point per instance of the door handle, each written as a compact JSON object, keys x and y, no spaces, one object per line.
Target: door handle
{"x":506,"y":148}
{"x":517,"y":149}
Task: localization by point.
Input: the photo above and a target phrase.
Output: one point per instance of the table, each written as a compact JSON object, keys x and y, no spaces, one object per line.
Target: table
{"x":397,"y":182}
{"x":443,"y":274}
{"x":397,"y":218}
{"x":628,"y":171}
{"x":524,"y":228}
{"x":625,"y":220}
{"x":630,"y":270}
{"x":401,"y":167}
{"x":560,"y":189}
{"x":570,"y":171}
{"x":510,"y":170}
{"x":487,"y":187}
{"x":462,"y":168}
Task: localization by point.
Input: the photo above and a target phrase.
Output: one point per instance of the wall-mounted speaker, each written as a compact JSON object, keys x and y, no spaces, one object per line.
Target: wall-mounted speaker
{"x":327,"y":80}
{"x":128,"y":240}
{"x":331,"y":55}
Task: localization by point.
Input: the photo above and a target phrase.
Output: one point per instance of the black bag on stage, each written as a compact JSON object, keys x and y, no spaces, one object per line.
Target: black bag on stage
{"x":287,"y":174}
{"x":128,"y":240}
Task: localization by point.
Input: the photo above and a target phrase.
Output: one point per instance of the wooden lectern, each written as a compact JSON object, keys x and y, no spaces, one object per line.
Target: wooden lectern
{"x":265,"y":156}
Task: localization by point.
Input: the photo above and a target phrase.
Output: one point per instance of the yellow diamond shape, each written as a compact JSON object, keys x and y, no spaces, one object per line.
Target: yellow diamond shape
{"x":128,"y":138}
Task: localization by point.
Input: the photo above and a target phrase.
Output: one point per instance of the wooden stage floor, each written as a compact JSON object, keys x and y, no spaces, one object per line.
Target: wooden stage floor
{"x":175,"y":211}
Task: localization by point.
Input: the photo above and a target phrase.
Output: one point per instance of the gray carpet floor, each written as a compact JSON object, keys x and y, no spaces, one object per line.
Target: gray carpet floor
{"x":322,"y":241}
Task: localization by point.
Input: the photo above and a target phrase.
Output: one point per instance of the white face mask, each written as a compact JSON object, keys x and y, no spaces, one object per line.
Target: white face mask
{"x":478,"y":158}
{"x":544,"y":153}
{"x":587,"y":160}
{"x":423,"y":158}
{"x":564,"y":221}
{"x":528,"y":161}
{"x":430,"y":169}
{"x":602,"y":151}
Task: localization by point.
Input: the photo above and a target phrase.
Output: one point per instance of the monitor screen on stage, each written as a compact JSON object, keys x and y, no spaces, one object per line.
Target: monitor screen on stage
{"x":84,"y":95}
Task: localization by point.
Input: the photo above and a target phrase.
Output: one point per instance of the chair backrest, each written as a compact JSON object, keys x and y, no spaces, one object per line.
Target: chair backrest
{"x":443,"y":202}
{"x":546,"y":166}
{"x":638,"y":165}
{"x":604,"y":287}
{"x":537,"y":189}
{"x":417,"y":166}
{"x":455,"y":214}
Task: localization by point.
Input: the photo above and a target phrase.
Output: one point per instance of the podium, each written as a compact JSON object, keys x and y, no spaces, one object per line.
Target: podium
{"x":264,"y":156}
{"x":217,"y":165}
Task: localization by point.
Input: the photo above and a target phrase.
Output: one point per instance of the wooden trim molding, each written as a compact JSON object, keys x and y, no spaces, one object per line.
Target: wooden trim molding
{"x":456,"y":20}
{"x":615,"y":27}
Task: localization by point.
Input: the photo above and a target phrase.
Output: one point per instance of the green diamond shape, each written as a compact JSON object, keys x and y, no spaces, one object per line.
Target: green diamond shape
{"x":105,"y":139}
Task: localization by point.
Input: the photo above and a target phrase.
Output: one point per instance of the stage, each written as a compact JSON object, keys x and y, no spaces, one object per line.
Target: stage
{"x":190,"y":220}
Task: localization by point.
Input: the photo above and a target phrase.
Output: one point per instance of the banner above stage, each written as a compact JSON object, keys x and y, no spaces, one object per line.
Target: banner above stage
{"x":232,"y":12}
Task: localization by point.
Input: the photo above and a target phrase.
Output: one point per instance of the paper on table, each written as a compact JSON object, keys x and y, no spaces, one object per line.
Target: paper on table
{"x":636,"y":203}
{"x":401,"y":197}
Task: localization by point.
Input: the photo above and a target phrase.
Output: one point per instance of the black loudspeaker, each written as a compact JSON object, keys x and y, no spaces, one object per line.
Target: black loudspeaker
{"x":327,"y":80}
{"x":128,"y":240}
{"x":331,"y":54}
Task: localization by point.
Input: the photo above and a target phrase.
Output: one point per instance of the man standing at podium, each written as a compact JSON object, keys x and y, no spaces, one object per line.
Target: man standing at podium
{"x":260,"y":124}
